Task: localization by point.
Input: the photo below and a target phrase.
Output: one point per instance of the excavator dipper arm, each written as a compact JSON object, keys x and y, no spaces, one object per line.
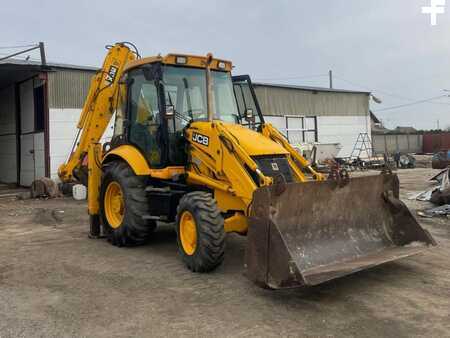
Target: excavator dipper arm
{"x":98,"y":109}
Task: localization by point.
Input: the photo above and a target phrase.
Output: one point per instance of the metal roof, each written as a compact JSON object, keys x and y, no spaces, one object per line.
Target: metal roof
{"x":16,"y":70}
{"x":308,"y":88}
{"x":37,"y":64}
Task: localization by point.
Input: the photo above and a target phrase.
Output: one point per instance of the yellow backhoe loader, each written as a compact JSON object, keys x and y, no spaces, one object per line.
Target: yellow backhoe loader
{"x":191,"y":147}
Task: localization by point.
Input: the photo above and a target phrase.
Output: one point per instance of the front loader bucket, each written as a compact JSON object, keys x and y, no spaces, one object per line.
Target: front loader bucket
{"x":304,"y":234}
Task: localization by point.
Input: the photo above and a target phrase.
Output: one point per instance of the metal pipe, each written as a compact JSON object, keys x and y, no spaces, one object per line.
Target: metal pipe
{"x":209,"y":88}
{"x":18,"y":53}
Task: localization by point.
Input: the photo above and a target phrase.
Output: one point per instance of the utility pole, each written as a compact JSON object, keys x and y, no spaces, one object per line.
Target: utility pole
{"x":42,"y":51}
{"x":330,"y":75}
{"x":437,"y":124}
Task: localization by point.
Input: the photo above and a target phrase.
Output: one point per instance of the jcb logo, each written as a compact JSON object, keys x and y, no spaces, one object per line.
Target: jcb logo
{"x":200,"y":139}
{"x":111,"y":75}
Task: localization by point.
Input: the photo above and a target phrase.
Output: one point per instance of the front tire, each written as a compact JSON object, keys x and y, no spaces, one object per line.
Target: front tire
{"x":200,"y":232}
{"x":123,"y":202}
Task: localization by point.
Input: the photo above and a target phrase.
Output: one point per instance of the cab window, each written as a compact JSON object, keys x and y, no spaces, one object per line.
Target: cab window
{"x":145,"y":118}
{"x":120,"y":110}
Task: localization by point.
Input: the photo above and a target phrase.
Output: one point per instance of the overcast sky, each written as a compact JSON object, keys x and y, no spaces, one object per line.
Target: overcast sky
{"x":385,"y":46}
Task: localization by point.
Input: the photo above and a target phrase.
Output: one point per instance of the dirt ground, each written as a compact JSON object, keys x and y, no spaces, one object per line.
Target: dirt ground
{"x":55,"y":282}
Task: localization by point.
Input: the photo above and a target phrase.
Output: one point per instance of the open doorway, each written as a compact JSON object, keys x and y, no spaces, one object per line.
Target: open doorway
{"x":8,"y":137}
{"x":32,"y":125}
{"x":22,"y":125}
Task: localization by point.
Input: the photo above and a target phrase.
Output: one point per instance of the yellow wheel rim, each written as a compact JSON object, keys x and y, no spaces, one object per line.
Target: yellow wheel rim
{"x":114,"y":205}
{"x":188,"y":233}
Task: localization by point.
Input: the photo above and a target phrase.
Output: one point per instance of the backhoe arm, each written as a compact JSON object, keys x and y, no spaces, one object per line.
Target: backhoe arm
{"x":98,"y":108}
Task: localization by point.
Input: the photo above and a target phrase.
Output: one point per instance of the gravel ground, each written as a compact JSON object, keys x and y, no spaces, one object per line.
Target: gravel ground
{"x":55,"y":282}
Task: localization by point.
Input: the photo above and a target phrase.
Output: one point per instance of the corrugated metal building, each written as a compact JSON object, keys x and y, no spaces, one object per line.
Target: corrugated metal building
{"x":40,"y":106}
{"x":39,"y":109}
{"x":312,"y":114}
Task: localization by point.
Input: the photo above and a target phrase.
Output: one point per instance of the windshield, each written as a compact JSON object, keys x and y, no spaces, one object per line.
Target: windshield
{"x":185,"y":89}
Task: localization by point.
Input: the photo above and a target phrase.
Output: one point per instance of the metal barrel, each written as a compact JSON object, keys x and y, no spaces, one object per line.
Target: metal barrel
{"x":303,"y":234}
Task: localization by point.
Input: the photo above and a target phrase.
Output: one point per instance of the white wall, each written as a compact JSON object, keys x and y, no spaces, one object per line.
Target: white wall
{"x":333,"y":129}
{"x":343,"y":130}
{"x":62,"y":125}
{"x":392,"y":143}
{"x":8,"y":159}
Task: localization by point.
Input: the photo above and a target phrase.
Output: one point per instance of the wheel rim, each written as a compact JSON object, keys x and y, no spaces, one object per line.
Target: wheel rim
{"x":188,"y":233}
{"x":114,"y":204}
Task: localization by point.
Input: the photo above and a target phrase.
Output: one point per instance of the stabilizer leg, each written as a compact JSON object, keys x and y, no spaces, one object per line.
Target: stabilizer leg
{"x":94,"y":227}
{"x":94,"y":180}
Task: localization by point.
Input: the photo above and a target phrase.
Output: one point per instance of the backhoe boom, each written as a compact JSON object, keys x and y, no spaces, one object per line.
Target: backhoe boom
{"x":97,"y":110}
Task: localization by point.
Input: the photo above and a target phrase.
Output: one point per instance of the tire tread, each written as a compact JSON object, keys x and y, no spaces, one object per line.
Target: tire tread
{"x":134,"y":230}
{"x":210,"y":231}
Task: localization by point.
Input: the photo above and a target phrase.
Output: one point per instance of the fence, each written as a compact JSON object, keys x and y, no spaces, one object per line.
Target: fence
{"x":433,"y":143}
{"x":392,"y":143}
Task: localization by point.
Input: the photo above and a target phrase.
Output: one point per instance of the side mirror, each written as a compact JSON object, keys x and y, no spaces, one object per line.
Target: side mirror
{"x":249,"y":114}
{"x":170,"y":111}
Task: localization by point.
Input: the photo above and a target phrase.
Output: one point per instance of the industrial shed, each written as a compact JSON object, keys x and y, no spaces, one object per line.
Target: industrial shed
{"x":40,"y":106}
{"x":314,"y":114}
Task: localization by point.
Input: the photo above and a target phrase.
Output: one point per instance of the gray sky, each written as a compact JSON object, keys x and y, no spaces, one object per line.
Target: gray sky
{"x":387,"y":46}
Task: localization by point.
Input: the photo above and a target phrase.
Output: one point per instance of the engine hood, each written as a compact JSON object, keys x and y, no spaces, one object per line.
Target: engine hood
{"x":254,"y":143}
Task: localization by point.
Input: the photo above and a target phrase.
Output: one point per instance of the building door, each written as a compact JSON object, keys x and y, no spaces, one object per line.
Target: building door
{"x":32,"y":140}
{"x":32,"y":158}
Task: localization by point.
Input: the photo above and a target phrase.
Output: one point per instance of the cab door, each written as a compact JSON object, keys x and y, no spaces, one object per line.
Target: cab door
{"x":143,"y":118}
{"x":247,"y":101}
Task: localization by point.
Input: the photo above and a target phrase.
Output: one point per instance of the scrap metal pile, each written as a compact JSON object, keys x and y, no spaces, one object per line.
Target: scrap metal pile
{"x":351,"y":164}
{"x":441,"y":159}
{"x":358,"y":163}
{"x":438,"y":194}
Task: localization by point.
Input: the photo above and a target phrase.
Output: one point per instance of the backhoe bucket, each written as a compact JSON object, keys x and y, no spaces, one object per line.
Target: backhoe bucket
{"x":303,"y":234}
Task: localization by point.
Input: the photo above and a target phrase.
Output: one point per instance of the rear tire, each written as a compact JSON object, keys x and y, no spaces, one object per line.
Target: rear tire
{"x":126,"y":227}
{"x":206,"y":250}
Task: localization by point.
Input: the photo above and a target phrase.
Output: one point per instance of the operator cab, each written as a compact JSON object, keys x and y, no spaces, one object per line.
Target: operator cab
{"x":160,"y":96}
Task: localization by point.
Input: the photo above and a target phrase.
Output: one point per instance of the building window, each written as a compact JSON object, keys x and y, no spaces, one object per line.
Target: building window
{"x":39,"y":112}
{"x":297,"y":129}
